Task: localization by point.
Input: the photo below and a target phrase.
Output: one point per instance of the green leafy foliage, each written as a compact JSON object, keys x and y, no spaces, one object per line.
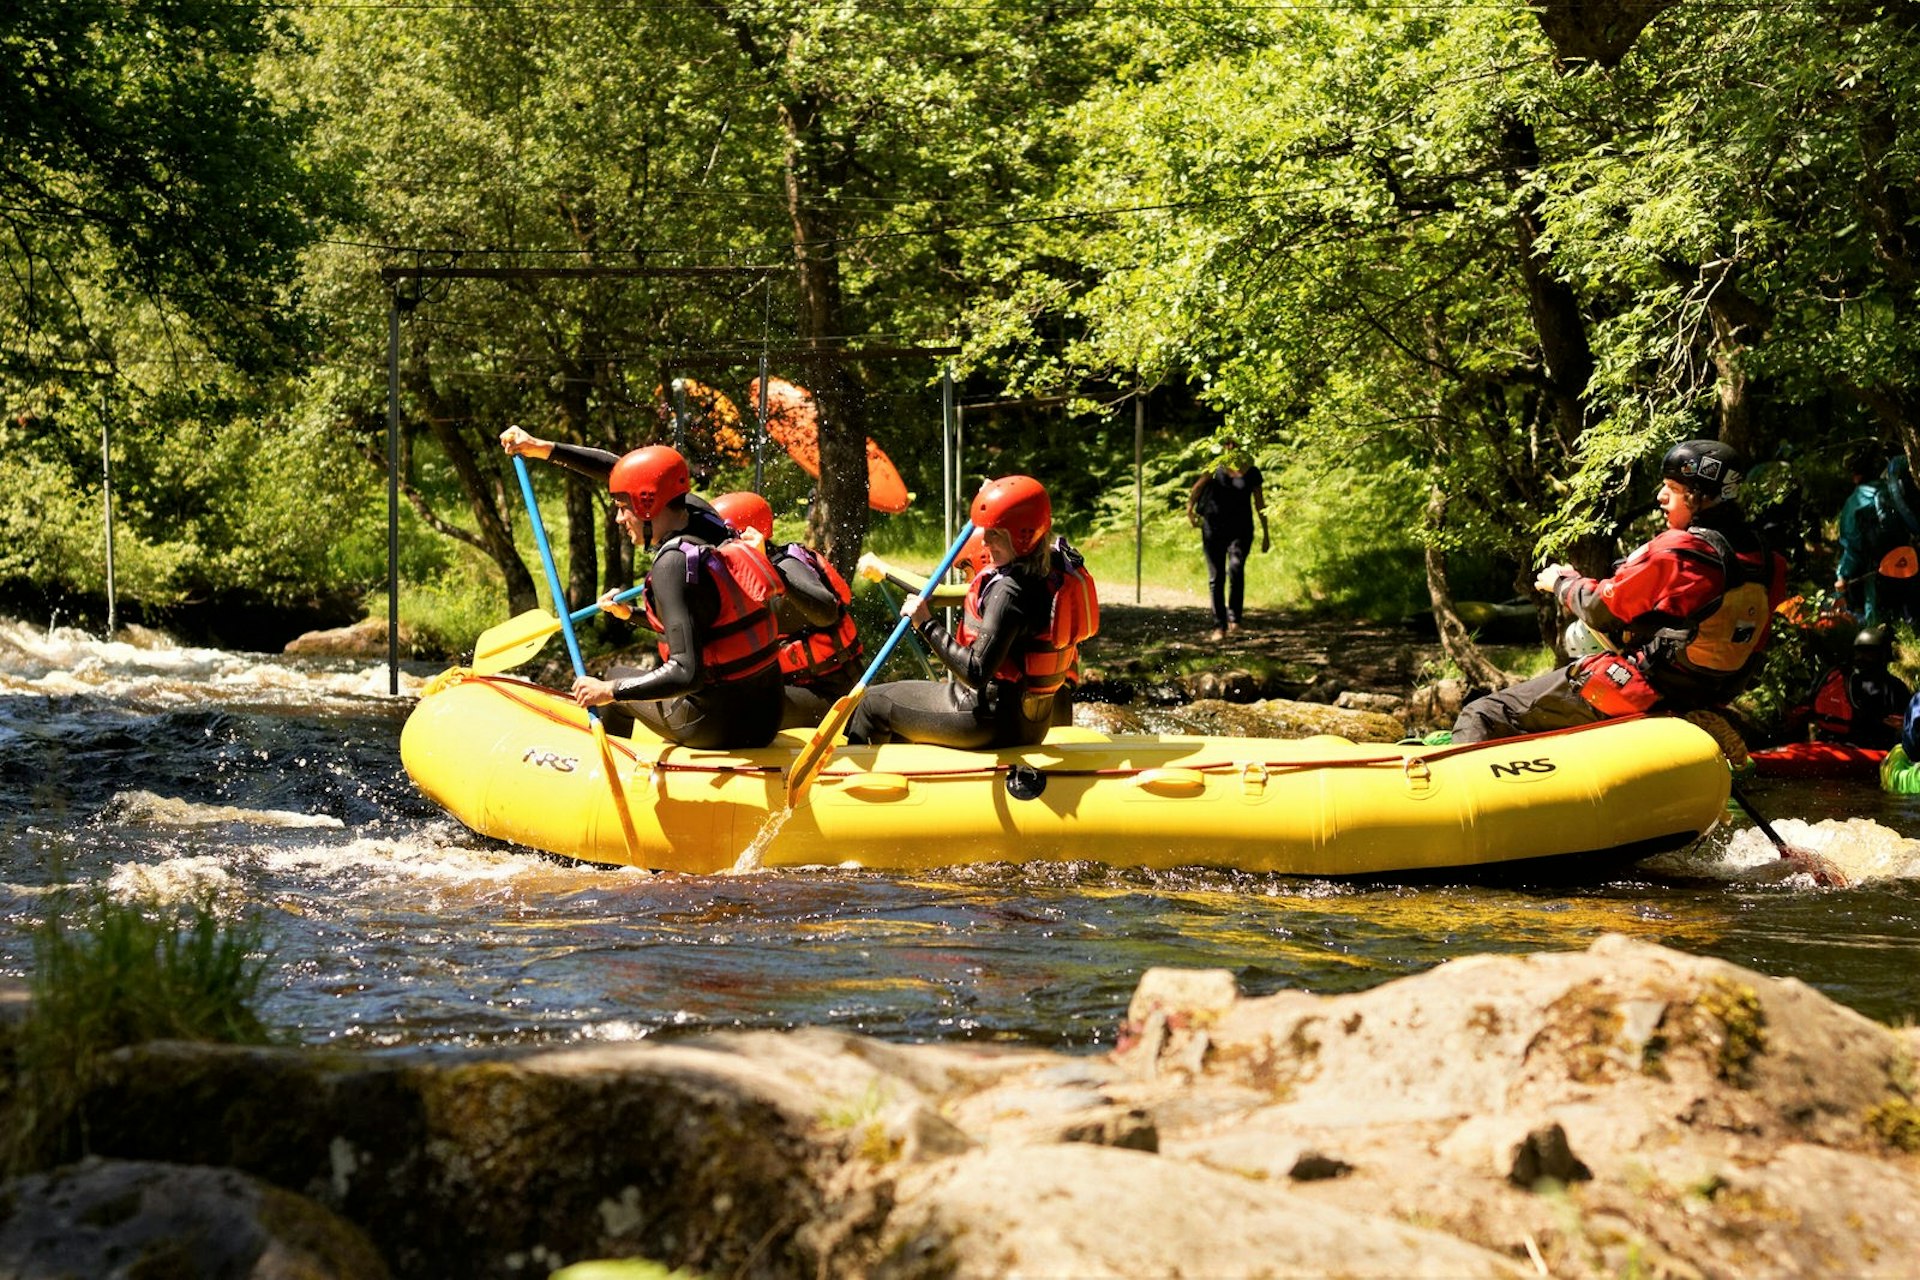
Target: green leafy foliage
{"x":1459,"y":289}
{"x":109,"y":974}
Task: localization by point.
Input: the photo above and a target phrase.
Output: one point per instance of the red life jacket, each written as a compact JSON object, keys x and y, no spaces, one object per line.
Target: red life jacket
{"x":743,"y":639}
{"x":1047,"y":659}
{"x":812,"y":653}
{"x":1833,"y":710}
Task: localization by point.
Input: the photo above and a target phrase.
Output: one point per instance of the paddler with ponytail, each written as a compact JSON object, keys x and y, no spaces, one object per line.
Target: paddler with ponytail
{"x":1684,"y":618}
{"x":970,"y":563}
{"x":1025,"y":616}
{"x":708,"y":595}
{"x":820,"y":653}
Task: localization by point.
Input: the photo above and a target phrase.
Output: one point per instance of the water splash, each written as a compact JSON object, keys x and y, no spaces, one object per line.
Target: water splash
{"x":1860,"y":847}
{"x":751,"y":858}
{"x":193,"y":879}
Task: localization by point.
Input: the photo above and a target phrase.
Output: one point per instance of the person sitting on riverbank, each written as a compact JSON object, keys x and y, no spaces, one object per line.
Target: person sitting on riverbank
{"x":820,"y":652}
{"x":1684,"y":618}
{"x":707,"y":594}
{"x":1024,"y":618}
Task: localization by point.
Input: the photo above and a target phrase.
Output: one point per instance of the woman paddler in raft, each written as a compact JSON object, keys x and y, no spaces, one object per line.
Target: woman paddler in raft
{"x":1024,"y":619}
{"x":708,"y":595}
{"x":820,"y":653}
{"x":971,"y":562}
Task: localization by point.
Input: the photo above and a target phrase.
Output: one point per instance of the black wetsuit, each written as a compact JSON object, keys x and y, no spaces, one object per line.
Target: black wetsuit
{"x":974,"y":709}
{"x":810,"y":601}
{"x":675,"y":699}
{"x":1224,"y":503}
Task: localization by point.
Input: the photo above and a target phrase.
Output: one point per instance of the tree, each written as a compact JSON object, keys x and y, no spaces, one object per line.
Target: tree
{"x":138,"y":151}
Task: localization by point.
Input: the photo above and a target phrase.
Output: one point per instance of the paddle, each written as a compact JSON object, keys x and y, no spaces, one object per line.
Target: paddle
{"x":807,"y":764}
{"x":1822,"y":869}
{"x":579,"y":665}
{"x":524,"y":634}
{"x":919,"y":653}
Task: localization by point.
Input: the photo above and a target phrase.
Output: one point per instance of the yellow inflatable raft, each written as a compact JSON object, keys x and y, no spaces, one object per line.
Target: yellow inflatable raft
{"x":516,"y":761}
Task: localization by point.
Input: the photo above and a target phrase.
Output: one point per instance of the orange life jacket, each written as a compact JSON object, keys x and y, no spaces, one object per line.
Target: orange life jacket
{"x":743,"y":639}
{"x":815,"y":652}
{"x":1699,"y":661}
{"x":1727,"y":632}
{"x":1044,"y":661}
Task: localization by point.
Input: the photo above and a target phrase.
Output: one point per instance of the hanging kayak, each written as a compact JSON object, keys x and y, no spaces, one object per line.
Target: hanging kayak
{"x":794,"y":420}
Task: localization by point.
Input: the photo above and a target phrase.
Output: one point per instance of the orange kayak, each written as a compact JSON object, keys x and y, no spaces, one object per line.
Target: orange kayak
{"x":794,"y":420}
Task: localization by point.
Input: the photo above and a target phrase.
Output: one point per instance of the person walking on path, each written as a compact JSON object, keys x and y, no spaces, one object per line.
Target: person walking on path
{"x":1222,"y":504}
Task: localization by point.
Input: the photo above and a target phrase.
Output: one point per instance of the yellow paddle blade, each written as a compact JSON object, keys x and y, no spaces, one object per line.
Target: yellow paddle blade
{"x":513,"y":641}
{"x":619,"y":792}
{"x":806,"y":765}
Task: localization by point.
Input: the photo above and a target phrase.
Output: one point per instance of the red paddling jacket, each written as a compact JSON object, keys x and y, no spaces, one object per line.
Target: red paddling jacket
{"x":1687,"y":616}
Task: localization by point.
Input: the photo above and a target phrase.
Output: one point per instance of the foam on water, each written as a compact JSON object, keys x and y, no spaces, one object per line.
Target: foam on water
{"x":144,"y":808}
{"x":199,"y":878}
{"x":65,"y":661}
{"x":1861,"y":848}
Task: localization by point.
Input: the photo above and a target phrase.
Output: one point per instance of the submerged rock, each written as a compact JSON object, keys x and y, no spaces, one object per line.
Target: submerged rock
{"x":1626,"y":1109}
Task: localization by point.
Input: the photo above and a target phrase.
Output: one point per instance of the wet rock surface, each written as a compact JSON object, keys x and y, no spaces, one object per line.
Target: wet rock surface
{"x":1627,"y":1109}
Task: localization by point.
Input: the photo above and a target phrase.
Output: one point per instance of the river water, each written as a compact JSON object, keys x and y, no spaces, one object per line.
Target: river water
{"x":273,"y":786}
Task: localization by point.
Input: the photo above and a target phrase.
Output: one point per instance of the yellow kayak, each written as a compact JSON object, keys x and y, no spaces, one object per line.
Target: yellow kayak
{"x":517,"y":761}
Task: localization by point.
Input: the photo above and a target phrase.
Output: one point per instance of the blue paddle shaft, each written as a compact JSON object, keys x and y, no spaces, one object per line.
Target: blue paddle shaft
{"x":546,"y":559}
{"x":581,"y":615}
{"x":946,"y":563}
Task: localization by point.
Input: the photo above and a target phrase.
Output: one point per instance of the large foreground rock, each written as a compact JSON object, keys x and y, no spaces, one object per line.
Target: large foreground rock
{"x":1623,"y":1110}
{"x":124,"y":1220}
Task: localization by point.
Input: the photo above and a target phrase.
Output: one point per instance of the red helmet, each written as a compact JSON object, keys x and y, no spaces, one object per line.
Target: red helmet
{"x":746,"y":510}
{"x":650,"y":478}
{"x":1017,"y":504}
{"x":973,"y":559}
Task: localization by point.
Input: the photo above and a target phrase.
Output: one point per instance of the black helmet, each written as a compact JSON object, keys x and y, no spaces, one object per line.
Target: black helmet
{"x":1878,"y":636}
{"x":1706,"y":466}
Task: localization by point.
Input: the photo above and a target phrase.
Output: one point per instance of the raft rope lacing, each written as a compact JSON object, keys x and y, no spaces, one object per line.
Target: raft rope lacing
{"x":507,"y":687}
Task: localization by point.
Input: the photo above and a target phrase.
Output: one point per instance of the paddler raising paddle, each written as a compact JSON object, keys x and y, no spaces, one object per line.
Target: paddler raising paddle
{"x":707,"y":594}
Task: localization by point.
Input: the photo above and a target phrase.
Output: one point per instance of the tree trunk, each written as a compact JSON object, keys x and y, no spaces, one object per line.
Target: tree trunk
{"x":1455,"y":641}
{"x":1595,"y":31}
{"x":816,"y":165}
{"x":1555,"y":309}
{"x":444,"y":420}
{"x":583,"y":511}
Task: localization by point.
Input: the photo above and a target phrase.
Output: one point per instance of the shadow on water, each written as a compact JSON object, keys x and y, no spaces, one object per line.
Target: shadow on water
{"x":274,"y":786}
